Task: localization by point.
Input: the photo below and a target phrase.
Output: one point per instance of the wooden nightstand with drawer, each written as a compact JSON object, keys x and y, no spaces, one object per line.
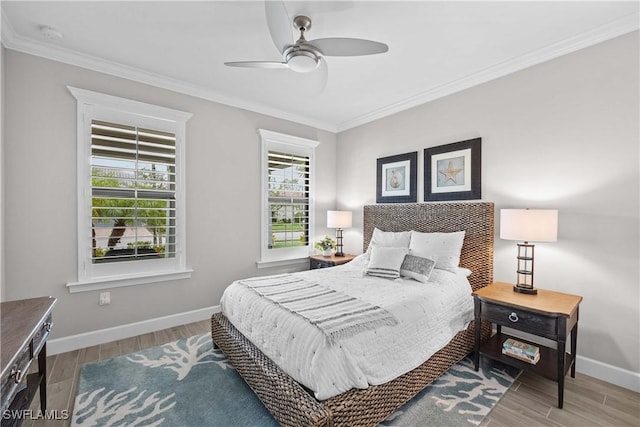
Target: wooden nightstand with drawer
{"x":548,"y":314}
{"x":321,"y":261}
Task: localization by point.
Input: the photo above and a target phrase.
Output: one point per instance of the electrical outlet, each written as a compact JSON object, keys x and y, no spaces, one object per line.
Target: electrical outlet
{"x":105,"y":298}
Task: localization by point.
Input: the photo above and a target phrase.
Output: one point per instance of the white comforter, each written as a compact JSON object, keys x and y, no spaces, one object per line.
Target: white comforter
{"x":428,"y":314}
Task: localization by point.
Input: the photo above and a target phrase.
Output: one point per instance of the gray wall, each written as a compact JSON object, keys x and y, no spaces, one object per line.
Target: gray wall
{"x":223,"y":194}
{"x":563,"y":134}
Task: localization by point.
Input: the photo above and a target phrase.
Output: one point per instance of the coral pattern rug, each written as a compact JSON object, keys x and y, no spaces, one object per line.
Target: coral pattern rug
{"x":188,"y":383}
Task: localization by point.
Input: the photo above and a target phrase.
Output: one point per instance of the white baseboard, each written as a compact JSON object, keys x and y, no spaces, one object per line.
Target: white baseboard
{"x":101,"y":336}
{"x":584,"y":365}
{"x":611,"y":374}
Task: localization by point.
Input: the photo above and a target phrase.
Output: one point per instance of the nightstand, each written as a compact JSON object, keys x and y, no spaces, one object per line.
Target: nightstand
{"x":552,"y":315}
{"x":321,"y":261}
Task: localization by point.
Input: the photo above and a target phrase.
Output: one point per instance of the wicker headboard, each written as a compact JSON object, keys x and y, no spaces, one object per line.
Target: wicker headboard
{"x":476,"y":218}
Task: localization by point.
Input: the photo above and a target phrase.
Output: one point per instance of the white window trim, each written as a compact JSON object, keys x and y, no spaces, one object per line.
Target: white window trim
{"x":284,"y":256}
{"x":92,"y":105}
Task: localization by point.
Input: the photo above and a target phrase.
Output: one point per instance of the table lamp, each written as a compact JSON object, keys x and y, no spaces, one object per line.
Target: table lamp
{"x":339,"y":220}
{"x":528,"y":225}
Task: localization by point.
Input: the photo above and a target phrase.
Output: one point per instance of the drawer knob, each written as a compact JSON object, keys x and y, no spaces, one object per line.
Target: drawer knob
{"x":47,"y":326}
{"x":16,"y":374}
{"x":513,"y":317}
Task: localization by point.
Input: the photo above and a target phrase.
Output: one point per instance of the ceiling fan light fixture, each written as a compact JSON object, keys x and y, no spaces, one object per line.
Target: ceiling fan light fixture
{"x":302,"y":61}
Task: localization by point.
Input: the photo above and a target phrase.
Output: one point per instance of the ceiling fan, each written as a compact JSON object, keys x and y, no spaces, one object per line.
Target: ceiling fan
{"x":304,"y":56}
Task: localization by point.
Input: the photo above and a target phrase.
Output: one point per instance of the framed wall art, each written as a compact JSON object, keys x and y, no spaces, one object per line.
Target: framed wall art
{"x":397,"y":179}
{"x":452,"y":171}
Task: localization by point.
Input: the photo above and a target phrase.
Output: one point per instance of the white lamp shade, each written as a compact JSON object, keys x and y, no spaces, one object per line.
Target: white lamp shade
{"x":339,"y":219}
{"x":529,"y":225}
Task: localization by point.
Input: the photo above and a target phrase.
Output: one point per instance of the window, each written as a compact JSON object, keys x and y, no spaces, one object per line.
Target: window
{"x":287,"y":202}
{"x":130,"y":192}
{"x":288,"y":178}
{"x":133,"y":212}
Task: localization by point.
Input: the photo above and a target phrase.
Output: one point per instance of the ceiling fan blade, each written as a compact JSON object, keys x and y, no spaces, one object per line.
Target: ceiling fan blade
{"x":279,"y":24}
{"x":348,"y":47}
{"x":257,"y":64}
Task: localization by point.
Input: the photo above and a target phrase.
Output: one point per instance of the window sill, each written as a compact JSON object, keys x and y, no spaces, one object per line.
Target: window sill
{"x":282,"y":263}
{"x":127,"y":280}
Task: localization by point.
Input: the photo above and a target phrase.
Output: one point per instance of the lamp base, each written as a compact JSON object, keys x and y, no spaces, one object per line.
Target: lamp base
{"x":522,"y":290}
{"x":339,"y":246}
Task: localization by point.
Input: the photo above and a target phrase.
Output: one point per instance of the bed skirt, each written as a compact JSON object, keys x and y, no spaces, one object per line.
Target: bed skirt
{"x":292,"y":405}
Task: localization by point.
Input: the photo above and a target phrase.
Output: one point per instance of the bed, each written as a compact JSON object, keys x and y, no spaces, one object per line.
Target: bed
{"x":293,"y":404}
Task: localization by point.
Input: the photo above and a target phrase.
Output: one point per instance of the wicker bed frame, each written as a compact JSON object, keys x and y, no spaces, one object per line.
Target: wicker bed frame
{"x":293,"y":405}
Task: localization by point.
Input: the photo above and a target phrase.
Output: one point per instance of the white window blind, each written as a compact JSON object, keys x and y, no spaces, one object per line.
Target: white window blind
{"x":289,"y":189}
{"x":133,"y":193}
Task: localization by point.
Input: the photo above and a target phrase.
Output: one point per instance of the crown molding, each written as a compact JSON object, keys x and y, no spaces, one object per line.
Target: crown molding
{"x":6,"y":29}
{"x":11,"y":40}
{"x":597,"y":35}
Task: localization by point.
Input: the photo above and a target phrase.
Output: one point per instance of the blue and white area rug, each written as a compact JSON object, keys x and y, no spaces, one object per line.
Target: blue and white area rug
{"x":188,"y":383}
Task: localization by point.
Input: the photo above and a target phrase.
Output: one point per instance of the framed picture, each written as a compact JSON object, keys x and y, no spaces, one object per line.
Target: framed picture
{"x":397,"y":179}
{"x":452,"y":171}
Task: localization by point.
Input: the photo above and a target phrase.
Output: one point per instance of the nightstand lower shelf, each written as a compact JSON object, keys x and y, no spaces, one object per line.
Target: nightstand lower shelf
{"x":547,"y":366}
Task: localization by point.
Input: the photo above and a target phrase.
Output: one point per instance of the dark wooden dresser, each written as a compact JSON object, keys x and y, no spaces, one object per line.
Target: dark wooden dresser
{"x":24,"y":328}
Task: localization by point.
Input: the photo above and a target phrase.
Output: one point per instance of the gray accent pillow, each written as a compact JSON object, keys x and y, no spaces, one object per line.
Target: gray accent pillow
{"x":417,"y":268}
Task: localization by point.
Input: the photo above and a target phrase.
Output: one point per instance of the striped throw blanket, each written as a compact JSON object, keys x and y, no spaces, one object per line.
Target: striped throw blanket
{"x":336,"y":314}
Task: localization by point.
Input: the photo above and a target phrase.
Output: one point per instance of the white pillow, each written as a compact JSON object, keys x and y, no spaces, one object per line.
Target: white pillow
{"x":417,"y":268}
{"x":385,"y":262}
{"x":394,"y":239}
{"x":445,"y":248}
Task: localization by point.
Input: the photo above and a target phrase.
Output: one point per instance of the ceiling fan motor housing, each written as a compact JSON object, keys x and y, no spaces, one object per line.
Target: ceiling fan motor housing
{"x":301,"y":59}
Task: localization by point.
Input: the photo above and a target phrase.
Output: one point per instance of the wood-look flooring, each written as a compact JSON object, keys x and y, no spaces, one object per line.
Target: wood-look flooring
{"x":531,"y":401}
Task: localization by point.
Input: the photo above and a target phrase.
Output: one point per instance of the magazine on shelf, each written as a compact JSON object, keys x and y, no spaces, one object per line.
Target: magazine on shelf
{"x":533,"y":360}
{"x":520,"y":350}
{"x":521,"y":347}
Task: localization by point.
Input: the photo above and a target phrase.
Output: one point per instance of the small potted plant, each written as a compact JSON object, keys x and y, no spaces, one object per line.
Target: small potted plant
{"x":325,"y":245}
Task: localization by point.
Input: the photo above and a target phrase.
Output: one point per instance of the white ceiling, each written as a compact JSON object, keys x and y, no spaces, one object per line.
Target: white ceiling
{"x":435,"y":48}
